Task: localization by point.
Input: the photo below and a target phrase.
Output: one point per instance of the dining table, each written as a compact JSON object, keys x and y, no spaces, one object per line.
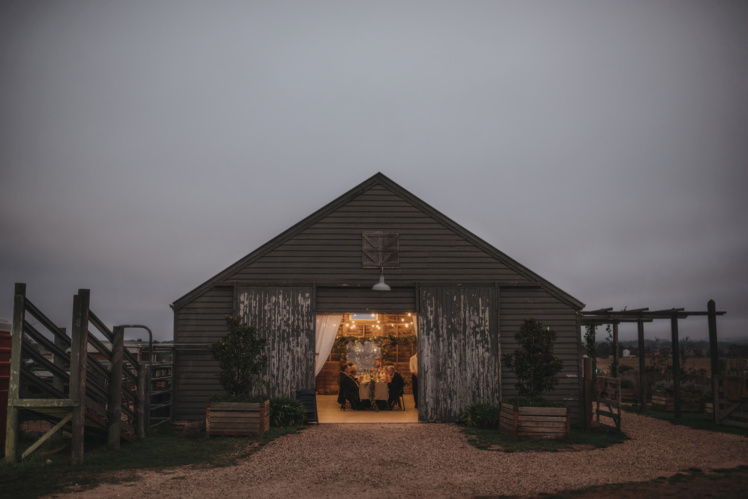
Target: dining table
{"x":381,"y":391}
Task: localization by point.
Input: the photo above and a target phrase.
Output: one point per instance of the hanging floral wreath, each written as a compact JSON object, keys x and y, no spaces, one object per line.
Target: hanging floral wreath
{"x":385,"y":343}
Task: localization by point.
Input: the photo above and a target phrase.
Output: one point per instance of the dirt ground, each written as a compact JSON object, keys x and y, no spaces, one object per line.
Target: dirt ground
{"x":727,"y":484}
{"x":435,"y":460}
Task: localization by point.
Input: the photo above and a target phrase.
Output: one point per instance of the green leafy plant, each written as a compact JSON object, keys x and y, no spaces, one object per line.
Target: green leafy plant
{"x":285,"y":411}
{"x":481,"y":415}
{"x":623,"y":368}
{"x":534,"y":364}
{"x":241,"y":357}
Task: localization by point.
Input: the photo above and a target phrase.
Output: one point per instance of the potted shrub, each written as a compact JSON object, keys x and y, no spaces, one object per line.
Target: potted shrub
{"x":241,"y":358}
{"x":537,"y":371}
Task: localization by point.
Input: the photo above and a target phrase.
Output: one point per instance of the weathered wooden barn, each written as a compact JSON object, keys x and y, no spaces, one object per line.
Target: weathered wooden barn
{"x":469,"y":297}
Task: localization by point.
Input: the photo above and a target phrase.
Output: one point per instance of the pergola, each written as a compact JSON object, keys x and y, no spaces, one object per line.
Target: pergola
{"x":640,"y":316}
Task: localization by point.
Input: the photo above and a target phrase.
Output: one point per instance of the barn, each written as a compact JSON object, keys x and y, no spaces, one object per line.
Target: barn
{"x":463,"y":298}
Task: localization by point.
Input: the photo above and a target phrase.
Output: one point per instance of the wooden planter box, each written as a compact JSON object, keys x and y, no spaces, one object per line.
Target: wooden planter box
{"x":628,"y":394}
{"x":535,"y":422}
{"x":237,"y":418}
{"x":690,"y":402}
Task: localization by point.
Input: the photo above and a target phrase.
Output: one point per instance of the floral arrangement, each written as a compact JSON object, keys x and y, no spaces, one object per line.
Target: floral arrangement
{"x":385,"y":343}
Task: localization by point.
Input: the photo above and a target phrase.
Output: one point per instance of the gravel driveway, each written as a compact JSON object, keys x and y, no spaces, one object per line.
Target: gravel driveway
{"x":434,"y":460}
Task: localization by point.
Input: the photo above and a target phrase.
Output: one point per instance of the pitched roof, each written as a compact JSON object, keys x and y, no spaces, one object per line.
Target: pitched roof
{"x":381,"y":180}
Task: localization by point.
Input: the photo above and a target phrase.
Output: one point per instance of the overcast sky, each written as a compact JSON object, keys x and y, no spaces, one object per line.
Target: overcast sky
{"x":146,"y":146}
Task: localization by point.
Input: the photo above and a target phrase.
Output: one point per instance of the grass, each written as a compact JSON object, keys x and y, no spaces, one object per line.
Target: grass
{"x":695,"y":420}
{"x":49,"y":470}
{"x":492,"y":439}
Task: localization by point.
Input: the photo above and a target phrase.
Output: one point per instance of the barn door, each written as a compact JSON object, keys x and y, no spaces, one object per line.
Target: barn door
{"x":285,"y":316}
{"x":458,"y":351}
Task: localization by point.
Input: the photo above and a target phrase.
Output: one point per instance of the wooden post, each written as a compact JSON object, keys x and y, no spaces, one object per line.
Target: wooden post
{"x":642,"y":367}
{"x":588,"y":392}
{"x":114,"y":413}
{"x":14,"y":386}
{"x":615,"y":348}
{"x":140,"y":410}
{"x":57,"y":382}
{"x":714,"y":354}
{"x":78,"y":359}
{"x":676,"y":364}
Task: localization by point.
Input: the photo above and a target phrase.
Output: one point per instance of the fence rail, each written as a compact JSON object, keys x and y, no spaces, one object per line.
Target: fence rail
{"x":71,"y":379}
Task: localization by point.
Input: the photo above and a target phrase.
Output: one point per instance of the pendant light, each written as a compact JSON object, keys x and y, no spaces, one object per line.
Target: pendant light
{"x":381,"y":285}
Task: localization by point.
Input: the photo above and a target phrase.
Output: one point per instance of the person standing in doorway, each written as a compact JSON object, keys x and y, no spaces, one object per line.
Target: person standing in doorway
{"x":414,"y":377}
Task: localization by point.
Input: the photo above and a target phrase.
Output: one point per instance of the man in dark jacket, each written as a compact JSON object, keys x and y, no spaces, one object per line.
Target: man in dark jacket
{"x":348,"y":390}
{"x":395,"y":383}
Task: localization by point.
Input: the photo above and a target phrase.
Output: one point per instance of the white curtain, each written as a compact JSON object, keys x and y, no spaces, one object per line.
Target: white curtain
{"x":327,"y":330}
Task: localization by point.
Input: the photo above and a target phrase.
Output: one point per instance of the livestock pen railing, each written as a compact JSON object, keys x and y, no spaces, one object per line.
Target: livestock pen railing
{"x":75,"y":382}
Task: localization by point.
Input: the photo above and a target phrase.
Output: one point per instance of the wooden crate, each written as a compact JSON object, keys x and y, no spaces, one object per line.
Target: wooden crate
{"x":535,"y":422}
{"x":237,"y":418}
{"x":629,"y":394}
{"x":690,"y":402}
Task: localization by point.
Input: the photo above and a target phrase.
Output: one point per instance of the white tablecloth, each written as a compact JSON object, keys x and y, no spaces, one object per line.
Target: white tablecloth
{"x":380,"y":391}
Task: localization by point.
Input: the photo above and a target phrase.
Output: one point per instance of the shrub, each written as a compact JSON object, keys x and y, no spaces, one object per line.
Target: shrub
{"x":627,"y":383}
{"x":286,"y":411}
{"x":623,"y":368}
{"x":481,"y":415}
{"x":241,"y":357}
{"x":536,"y":367}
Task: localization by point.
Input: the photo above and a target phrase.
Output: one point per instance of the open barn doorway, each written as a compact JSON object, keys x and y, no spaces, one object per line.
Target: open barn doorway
{"x":374,"y":349}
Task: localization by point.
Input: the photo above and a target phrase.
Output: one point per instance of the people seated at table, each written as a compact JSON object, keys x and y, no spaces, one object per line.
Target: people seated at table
{"x":341,"y":375}
{"x":348,"y":390}
{"x":395,"y":385}
{"x":378,"y":369}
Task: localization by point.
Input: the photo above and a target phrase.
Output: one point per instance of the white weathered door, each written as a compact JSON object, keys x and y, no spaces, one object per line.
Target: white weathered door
{"x":285,"y":316}
{"x":458,"y":351}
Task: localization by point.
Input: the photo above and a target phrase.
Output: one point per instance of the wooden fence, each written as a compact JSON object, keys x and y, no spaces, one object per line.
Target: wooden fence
{"x":86,"y":384}
{"x":608,"y":401}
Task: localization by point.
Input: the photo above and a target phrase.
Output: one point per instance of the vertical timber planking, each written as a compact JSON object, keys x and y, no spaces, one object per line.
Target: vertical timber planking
{"x":458,"y":346}
{"x":114,"y":413}
{"x":78,"y":360}
{"x":285,"y":317}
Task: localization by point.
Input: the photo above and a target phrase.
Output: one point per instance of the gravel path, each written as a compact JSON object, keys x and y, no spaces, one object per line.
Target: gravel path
{"x":434,"y":460}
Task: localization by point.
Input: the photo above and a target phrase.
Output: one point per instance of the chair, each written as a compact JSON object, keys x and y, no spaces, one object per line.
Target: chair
{"x":309,"y":399}
{"x":401,"y":402}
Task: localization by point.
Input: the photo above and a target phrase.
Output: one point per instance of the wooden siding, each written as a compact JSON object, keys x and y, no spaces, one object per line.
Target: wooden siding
{"x":204,"y":320}
{"x":458,"y":361}
{"x":518,"y":304}
{"x":330,"y":249}
{"x":284,"y":315}
{"x":345,"y":300}
{"x":195,"y":381}
{"x":196,"y":326}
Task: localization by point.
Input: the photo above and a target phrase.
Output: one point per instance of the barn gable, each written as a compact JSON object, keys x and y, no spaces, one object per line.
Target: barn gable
{"x":326,"y":249}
